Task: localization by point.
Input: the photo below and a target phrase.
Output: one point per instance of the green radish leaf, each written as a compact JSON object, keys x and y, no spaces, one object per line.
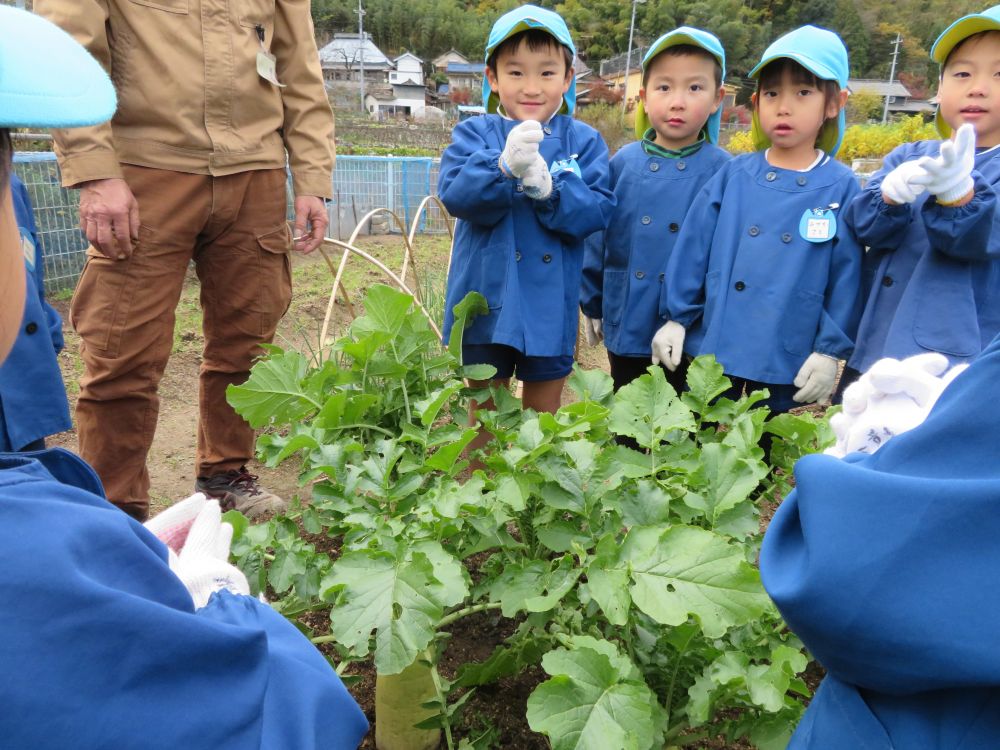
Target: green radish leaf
{"x":648,"y":409}
{"x":274,"y":391}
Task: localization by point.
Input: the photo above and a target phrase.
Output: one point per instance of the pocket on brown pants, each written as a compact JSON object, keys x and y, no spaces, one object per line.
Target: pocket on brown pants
{"x":101,"y":302}
{"x":275,"y":289}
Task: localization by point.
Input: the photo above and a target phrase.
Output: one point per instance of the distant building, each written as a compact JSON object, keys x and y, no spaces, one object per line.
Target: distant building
{"x":465,"y":75}
{"x":900,"y":99}
{"x":341,"y":59}
{"x":441,"y":62}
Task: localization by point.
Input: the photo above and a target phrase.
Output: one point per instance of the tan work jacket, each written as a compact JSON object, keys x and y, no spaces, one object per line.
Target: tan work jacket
{"x":189,"y":95}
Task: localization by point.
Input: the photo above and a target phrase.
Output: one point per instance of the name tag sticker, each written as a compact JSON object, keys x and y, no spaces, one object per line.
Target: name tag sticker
{"x":818,"y":225}
{"x":267,"y":67}
{"x":28,"y":248}
{"x":566,"y":165}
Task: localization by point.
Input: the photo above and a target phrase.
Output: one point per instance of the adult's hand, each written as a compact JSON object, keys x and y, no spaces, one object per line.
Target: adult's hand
{"x":109,"y":215}
{"x":310,"y":223}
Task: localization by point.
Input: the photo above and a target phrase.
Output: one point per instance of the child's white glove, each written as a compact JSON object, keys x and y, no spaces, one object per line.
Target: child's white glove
{"x":668,"y":345}
{"x":203,"y":562}
{"x":949,"y":175}
{"x":593,"y":329}
{"x":173,"y":525}
{"x":521,"y":149}
{"x":892,"y":397}
{"x":815,"y":379}
{"x":898,"y":186}
{"x":537,"y":180}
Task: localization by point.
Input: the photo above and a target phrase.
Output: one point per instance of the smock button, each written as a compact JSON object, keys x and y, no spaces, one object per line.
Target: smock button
{"x":681,"y":166}
{"x":754,"y":230}
{"x":517,"y":255}
{"x":640,"y":275}
{"x":546,"y":258}
{"x":800,"y":180}
{"x":887,"y":281}
{"x":547,"y":130}
{"x":645,"y":220}
{"x":786,"y":238}
{"x":770,"y":176}
{"x":31,"y":328}
{"x":739,"y":286}
{"x":661,"y":276}
{"x":520,"y":188}
{"x":674,"y":226}
{"x":654,"y":166}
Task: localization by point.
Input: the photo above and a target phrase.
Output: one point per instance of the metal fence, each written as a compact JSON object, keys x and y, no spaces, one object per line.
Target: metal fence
{"x":360,"y":184}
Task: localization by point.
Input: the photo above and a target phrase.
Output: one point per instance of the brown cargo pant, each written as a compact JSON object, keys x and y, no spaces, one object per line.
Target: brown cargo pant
{"x":234,"y":229}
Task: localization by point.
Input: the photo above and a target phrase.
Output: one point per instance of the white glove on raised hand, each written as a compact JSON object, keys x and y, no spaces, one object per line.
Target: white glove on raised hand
{"x":521,"y":149}
{"x":537,"y":180}
{"x":949,"y":175}
{"x":898,"y":186}
{"x":593,"y":329}
{"x":203,"y":562}
{"x":815,"y":379}
{"x":892,"y":397}
{"x":668,"y":345}
{"x":173,"y":525}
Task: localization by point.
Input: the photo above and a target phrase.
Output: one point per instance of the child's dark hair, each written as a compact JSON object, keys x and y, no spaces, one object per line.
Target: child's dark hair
{"x":683,"y":50}
{"x":772,"y":73}
{"x":536,"y":39}
{"x":978,"y":36}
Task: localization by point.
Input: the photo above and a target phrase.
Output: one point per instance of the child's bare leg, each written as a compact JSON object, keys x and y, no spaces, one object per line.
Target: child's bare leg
{"x":543,"y":395}
{"x":484,"y":436}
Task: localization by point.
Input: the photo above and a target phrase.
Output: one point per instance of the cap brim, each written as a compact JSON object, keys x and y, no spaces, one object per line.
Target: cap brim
{"x":817,"y":69}
{"x":47,"y":79}
{"x":962,"y":29}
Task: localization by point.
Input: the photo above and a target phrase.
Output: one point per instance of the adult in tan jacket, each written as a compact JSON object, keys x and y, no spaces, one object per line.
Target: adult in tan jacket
{"x":192,"y":166}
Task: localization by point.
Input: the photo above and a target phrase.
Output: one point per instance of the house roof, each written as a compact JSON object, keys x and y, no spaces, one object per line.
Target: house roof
{"x":466,"y":68}
{"x":877,"y":87}
{"x":442,"y":58}
{"x":406,"y":54}
{"x":346,"y":50}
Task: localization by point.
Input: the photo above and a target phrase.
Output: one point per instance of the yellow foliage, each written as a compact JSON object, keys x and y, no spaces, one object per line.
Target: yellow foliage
{"x":861,"y":141}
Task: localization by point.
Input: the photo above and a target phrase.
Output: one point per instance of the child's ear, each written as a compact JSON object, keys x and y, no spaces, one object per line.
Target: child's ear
{"x":642,"y":95}
{"x":569,"y":79}
{"x":753,"y":100}
{"x":834,"y":106}
{"x":719,"y":96}
{"x":491,"y":77}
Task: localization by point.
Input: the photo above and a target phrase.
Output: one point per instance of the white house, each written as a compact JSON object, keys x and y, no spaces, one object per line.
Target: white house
{"x":342,"y":58}
{"x":441,"y":62}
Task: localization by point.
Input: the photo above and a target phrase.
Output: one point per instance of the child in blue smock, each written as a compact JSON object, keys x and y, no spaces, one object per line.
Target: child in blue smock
{"x":528,"y":183}
{"x":33,"y":401}
{"x":655,"y":180}
{"x":888,"y":569}
{"x":931,"y":218}
{"x":765,"y":274}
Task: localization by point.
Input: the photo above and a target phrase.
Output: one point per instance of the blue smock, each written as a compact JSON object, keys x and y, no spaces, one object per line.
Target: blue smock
{"x":932,"y":272}
{"x":622,"y":266}
{"x":745,"y":283}
{"x":33,"y":401}
{"x":101,"y":646}
{"x":887,"y":567}
{"x":524,"y":256}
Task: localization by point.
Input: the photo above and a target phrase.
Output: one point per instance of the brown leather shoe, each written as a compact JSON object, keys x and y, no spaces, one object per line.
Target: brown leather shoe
{"x":239,"y":490}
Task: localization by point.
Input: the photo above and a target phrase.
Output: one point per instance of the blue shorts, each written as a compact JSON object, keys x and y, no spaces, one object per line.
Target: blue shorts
{"x":507,"y":359}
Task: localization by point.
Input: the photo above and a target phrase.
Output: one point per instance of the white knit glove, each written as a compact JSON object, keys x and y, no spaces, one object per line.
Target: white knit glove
{"x":203,"y":562}
{"x":949,"y":175}
{"x":521,"y":149}
{"x":815,"y":379}
{"x":892,"y":397}
{"x":668,"y":345}
{"x":593,"y":329}
{"x":173,"y":525}
{"x":537,"y":180}
{"x":898,"y":186}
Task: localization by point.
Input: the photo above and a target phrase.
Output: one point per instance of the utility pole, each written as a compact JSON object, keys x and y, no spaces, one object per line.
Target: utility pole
{"x":892,"y":75}
{"x":628,"y":56}
{"x":361,"y":51}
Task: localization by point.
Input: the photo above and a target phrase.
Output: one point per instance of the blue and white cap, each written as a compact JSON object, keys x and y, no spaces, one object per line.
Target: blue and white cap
{"x":522,"y":19}
{"x":823,"y":54}
{"x":47,"y":79}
